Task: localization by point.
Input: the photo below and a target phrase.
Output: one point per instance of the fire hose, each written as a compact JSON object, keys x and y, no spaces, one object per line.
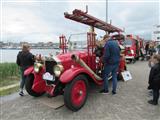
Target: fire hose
{"x":83,"y":64}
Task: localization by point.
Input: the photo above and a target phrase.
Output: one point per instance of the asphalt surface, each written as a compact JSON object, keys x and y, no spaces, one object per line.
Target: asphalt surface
{"x":130,"y":103}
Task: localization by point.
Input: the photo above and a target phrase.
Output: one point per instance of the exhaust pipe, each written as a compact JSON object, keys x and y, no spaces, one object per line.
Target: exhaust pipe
{"x":83,"y":64}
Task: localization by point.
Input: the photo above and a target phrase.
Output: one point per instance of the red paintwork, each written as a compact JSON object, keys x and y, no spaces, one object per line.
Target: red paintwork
{"x":39,"y":83}
{"x":29,"y":70}
{"x":69,"y":74}
{"x":66,"y":60}
{"x":91,"y":44}
{"x":78,"y":93}
{"x":128,"y":51}
{"x":71,"y":68}
{"x":131,"y":47}
{"x":63,"y":44}
{"x":50,"y":90}
{"x":134,"y":39}
{"x":122,"y":64}
{"x":83,"y":17}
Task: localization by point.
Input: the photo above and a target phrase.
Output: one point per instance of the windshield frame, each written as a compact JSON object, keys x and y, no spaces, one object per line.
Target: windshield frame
{"x":76,"y":45}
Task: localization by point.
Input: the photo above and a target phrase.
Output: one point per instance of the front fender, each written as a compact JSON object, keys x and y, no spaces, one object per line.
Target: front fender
{"x":38,"y":83}
{"x":71,"y":73}
{"x":29,"y":71}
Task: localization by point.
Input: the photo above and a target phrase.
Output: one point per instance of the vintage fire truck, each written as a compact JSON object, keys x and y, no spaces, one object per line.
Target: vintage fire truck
{"x":134,"y":48}
{"x":70,"y":72}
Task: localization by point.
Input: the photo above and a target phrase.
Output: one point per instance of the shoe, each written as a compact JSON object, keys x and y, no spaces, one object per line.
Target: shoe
{"x":113,"y":93}
{"x":152,"y":102}
{"x":21,"y":93}
{"x":149,"y":87}
{"x":104,"y":92}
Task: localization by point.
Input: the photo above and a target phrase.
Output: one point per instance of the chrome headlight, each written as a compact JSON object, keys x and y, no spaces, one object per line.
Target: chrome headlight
{"x":37,"y":67}
{"x":58,"y":69}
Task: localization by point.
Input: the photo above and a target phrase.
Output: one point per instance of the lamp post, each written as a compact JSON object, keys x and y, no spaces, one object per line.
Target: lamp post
{"x":107,"y":11}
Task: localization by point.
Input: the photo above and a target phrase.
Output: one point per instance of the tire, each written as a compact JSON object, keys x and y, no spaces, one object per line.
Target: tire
{"x":142,"y":59}
{"x":28,"y":86}
{"x":130,"y":61}
{"x":119,"y":77}
{"x":125,"y":67}
{"x":133,"y":60}
{"x":137,"y":58}
{"x":76,"y":93}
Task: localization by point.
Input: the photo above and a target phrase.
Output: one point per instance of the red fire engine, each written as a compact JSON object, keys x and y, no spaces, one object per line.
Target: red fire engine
{"x":70,"y":72}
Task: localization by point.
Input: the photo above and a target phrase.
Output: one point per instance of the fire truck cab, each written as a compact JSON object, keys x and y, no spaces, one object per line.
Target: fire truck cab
{"x":133,"y":48}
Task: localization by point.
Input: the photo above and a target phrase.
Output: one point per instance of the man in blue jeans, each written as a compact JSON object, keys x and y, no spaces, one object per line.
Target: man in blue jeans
{"x":111,"y":61}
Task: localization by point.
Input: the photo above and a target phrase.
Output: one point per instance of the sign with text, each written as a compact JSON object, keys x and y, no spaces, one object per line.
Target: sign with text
{"x":126,"y":75}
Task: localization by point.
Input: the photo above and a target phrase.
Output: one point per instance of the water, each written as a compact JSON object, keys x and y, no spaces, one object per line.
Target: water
{"x":7,"y":55}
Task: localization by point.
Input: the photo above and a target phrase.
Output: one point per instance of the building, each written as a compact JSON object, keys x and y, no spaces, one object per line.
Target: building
{"x":156,"y":33}
{"x":1,"y":44}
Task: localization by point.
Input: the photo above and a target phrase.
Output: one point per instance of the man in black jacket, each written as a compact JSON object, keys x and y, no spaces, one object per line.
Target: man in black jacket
{"x":154,"y":79}
{"x":25,"y":59}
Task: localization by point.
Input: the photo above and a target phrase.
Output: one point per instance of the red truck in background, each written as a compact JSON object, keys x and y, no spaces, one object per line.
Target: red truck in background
{"x":134,"y":48}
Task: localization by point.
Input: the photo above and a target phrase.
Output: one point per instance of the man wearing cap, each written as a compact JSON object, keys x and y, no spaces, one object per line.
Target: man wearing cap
{"x":25,"y":59}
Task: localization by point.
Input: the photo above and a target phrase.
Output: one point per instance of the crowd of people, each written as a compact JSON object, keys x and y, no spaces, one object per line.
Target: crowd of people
{"x":152,"y":48}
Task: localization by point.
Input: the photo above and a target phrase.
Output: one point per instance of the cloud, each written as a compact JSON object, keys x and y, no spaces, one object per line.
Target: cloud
{"x":136,"y":18}
{"x":21,"y":21}
{"x":39,"y":21}
{"x":36,"y":22}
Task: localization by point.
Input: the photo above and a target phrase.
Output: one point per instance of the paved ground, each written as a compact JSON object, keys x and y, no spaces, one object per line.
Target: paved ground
{"x":129,"y":104}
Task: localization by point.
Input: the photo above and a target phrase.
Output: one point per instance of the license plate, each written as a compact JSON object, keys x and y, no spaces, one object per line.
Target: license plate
{"x":48,"y":76}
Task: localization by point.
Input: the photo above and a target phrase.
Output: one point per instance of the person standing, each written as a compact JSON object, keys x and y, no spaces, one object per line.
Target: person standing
{"x":154,"y":79}
{"x":147,"y":48}
{"x":111,"y":61}
{"x":152,"y":49}
{"x":24,"y":60}
{"x":158,"y":48}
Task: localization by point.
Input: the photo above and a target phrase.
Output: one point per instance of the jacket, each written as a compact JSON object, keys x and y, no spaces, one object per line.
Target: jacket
{"x":154,"y":76}
{"x":25,"y":59}
{"x":111,"y":52}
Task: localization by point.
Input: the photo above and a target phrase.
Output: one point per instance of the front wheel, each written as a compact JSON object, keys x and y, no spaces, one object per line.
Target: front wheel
{"x":76,"y":92}
{"x":28,"y":86}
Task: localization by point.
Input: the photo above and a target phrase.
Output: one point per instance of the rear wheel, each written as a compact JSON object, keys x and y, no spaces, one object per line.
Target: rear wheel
{"x":75,"y":93}
{"x":137,"y":58}
{"x":133,"y":60}
{"x":28,"y":85}
{"x":119,"y":76}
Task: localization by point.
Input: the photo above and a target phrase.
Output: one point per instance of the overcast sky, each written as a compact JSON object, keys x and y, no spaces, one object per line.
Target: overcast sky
{"x":43,"y":20}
